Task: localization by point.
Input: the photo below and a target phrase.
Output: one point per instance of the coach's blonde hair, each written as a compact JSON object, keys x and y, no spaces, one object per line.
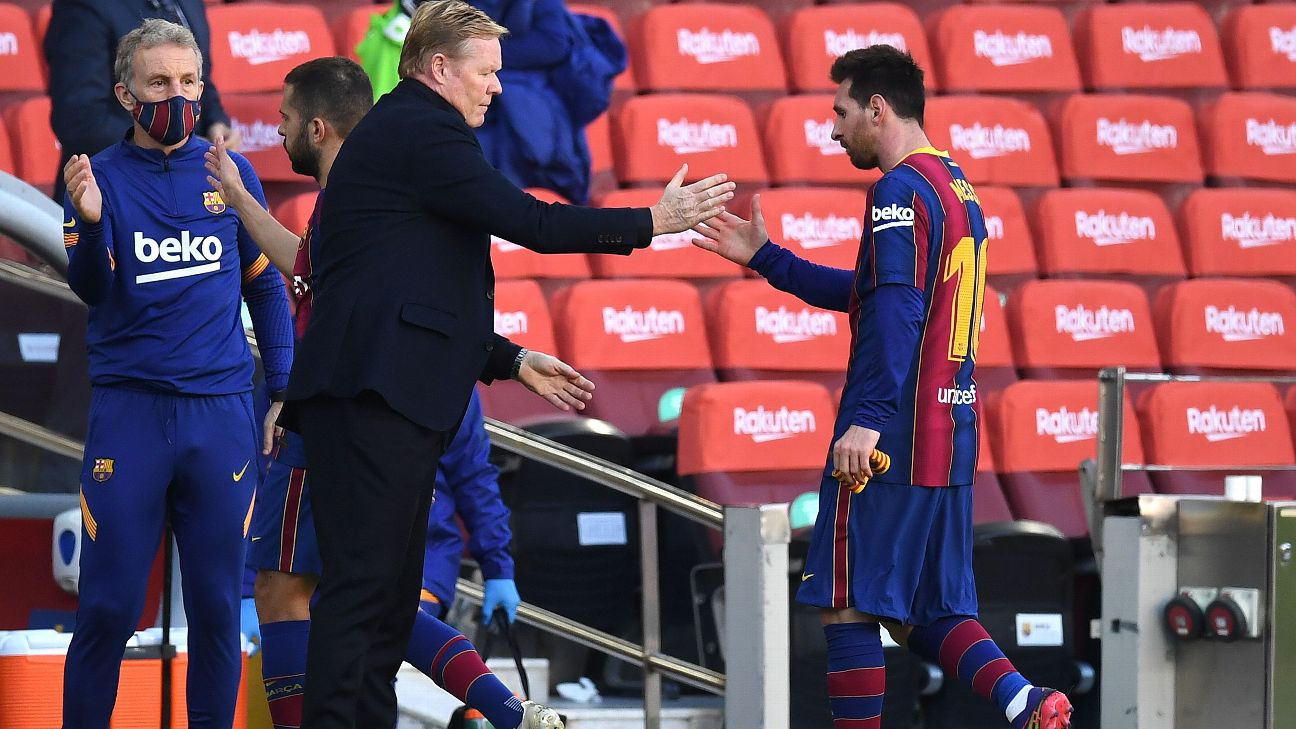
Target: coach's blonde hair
{"x":443,"y":26}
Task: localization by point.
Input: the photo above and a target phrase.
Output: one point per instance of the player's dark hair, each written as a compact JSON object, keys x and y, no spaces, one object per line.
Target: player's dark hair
{"x":887,"y":72}
{"x":334,"y":89}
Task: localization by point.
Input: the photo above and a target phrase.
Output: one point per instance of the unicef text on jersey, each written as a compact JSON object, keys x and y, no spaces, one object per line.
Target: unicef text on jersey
{"x":204,"y":250}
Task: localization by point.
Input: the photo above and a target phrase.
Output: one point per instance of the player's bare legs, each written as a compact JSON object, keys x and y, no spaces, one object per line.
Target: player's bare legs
{"x":283,"y":596}
{"x":283,"y":609}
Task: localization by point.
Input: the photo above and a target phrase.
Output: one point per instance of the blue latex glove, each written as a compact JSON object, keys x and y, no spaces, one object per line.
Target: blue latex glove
{"x":501,"y":593}
{"x":250,"y":624}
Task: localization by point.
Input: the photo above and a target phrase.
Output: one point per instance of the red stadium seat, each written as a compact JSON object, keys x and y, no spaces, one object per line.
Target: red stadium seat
{"x":706,"y":47}
{"x":256,"y":117}
{"x":6,"y":154}
{"x":624,"y":80}
{"x":672,"y":255}
{"x":760,"y":333}
{"x":35,"y":149}
{"x":1041,"y":432}
{"x":823,"y":225}
{"x":995,"y":368}
{"x":522,"y":315}
{"x":639,"y":341}
{"x":1149,"y":46}
{"x":996,"y":141}
{"x":755,"y":443}
{"x":42,"y":18}
{"x":294,"y":212}
{"x":254,"y":45}
{"x":655,"y":134}
{"x":800,"y":147}
{"x":351,"y":27}
{"x":1226,"y":326}
{"x":982,"y":48}
{"x":1128,"y":138}
{"x":1071,"y":329}
{"x":20,"y":53}
{"x":1011,"y":257}
{"x":1240,"y":232}
{"x":1250,"y":136}
{"x":816,"y":36}
{"x":1230,"y":424}
{"x":1109,"y":233}
{"x":513,"y":261}
{"x":1290,"y":403}
{"x":1260,"y":42}
{"x":988,"y":502}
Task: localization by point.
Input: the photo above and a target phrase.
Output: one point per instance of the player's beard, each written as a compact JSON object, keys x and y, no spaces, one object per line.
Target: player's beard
{"x":304,"y":157}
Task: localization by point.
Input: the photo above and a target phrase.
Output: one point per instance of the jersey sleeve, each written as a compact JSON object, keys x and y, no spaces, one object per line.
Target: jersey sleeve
{"x":898,"y":226}
{"x":91,"y":265}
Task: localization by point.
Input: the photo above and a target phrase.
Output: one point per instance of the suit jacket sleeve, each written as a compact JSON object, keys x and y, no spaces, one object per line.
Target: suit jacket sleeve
{"x":460,"y":185}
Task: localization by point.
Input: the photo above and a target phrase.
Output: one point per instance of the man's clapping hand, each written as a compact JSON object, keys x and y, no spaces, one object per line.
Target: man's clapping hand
{"x":683,"y":206}
{"x":555,"y":381}
{"x":83,"y":189}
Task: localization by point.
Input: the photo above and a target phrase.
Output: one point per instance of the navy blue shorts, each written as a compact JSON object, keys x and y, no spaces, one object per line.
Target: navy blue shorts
{"x":894,"y":551}
{"x":283,"y":531}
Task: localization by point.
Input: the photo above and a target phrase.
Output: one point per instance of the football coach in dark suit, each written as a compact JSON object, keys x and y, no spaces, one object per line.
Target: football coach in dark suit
{"x":402,"y":329}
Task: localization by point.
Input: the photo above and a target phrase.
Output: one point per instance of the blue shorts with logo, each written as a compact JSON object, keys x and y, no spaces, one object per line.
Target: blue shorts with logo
{"x":895,"y":551}
{"x":283,"y":531}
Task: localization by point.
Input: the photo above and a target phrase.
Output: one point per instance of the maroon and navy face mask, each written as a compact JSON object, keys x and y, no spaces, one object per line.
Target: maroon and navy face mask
{"x":170,"y":121}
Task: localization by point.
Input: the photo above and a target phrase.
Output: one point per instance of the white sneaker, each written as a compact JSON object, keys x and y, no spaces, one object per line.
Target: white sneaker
{"x":535,"y":716}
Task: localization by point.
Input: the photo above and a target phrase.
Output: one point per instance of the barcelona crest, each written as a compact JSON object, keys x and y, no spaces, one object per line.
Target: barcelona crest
{"x":213,"y":202}
{"x":103,"y":469}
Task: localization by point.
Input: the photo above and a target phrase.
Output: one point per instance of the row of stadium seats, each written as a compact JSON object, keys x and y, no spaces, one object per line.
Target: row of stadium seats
{"x":729,"y":47}
{"x":745,"y":443}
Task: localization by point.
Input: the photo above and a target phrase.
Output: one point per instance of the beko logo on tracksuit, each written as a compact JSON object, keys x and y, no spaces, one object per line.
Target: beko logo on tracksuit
{"x":1243,"y":326}
{"x":786,"y":326}
{"x":1065,"y":425}
{"x":764,"y":425}
{"x":205,"y":251}
{"x":686,"y":137}
{"x":1085,"y":324}
{"x":1255,"y":232}
{"x":707,"y":46}
{"x":1159,"y":45}
{"x":633,"y":325}
{"x":257,"y":47}
{"x":1005,"y":49}
{"x":1218,"y":425}
{"x":510,"y":323}
{"x":839,"y":44}
{"x":815,"y":232}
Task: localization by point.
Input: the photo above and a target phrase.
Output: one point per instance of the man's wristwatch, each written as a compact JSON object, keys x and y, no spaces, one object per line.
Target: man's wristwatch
{"x":517,"y":363}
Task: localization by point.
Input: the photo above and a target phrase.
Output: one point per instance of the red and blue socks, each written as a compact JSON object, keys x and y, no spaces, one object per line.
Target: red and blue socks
{"x":449,"y":659}
{"x":961,"y":646}
{"x":283,"y":666}
{"x":856,"y":675}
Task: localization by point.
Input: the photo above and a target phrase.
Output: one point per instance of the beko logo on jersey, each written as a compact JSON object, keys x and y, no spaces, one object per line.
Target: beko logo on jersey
{"x":188,"y":248}
{"x":957,"y":395}
{"x":815,"y":232}
{"x":1271,"y":137}
{"x":981,"y":142}
{"x":1252,"y":232}
{"x":1111,"y":230}
{"x":1159,"y":45}
{"x":8,"y":44}
{"x":1218,"y":425}
{"x":786,"y":326}
{"x":819,"y":136}
{"x":257,"y":47}
{"x":1283,"y":42}
{"x":510,"y":323}
{"x":768,"y":425}
{"x":632,"y":325}
{"x":686,"y":137}
{"x":1066,"y":426}
{"x":1084,"y":324}
{"x":708,"y":46}
{"x":839,"y":44}
{"x":1004,"y":49}
{"x":1243,"y":326}
{"x":1126,"y":138}
{"x":892,"y":212}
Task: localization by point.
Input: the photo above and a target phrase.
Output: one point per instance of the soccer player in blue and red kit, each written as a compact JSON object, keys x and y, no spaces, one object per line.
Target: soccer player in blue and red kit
{"x":322,"y":102}
{"x":162,"y":263}
{"x":898,"y":553}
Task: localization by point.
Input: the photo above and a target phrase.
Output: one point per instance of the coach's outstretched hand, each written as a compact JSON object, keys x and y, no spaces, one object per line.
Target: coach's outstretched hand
{"x":683,"y":206}
{"x":83,"y":189}
{"x":731,"y":236}
{"x":555,"y":381}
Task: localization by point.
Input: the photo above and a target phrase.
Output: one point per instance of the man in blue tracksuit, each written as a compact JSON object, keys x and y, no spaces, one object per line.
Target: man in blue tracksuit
{"x":162,"y":263}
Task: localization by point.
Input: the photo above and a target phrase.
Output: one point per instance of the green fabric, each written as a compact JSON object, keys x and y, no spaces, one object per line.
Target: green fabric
{"x":380,"y":54}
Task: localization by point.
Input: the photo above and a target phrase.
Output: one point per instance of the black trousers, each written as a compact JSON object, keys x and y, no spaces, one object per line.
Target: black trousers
{"x":372,"y":474}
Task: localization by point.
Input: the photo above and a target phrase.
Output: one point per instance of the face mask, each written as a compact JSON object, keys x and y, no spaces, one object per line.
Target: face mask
{"x":170,"y":121}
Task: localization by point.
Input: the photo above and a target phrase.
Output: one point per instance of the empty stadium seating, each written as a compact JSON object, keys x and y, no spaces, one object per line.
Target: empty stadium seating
{"x":511,"y":260}
{"x":995,"y":369}
{"x":995,"y":140}
{"x":1149,"y":46}
{"x":1290,"y":403}
{"x":6,"y":155}
{"x":1240,"y":232}
{"x":256,"y":118}
{"x":1041,"y":431}
{"x":657,"y":133}
{"x":760,"y":333}
{"x":706,"y":47}
{"x":1111,"y":233}
{"x":814,"y":37}
{"x":1011,"y":251}
{"x":35,"y":150}
{"x":350,"y":28}
{"x":522,"y":315}
{"x":1071,"y":329}
{"x":639,"y":341}
{"x":1020,"y":48}
{"x":1128,"y":138}
{"x":672,"y":255}
{"x":1228,"y":424}
{"x":988,"y":502}
{"x":1260,"y":41}
{"x":1226,"y":326}
{"x":20,"y":55}
{"x":819,"y":224}
{"x":1250,"y":136}
{"x":254,"y":45}
{"x":800,"y":148}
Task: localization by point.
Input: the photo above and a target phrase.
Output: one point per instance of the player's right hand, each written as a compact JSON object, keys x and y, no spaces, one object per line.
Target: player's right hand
{"x":83,"y":189}
{"x":731,"y":236}
{"x":223,"y":174}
